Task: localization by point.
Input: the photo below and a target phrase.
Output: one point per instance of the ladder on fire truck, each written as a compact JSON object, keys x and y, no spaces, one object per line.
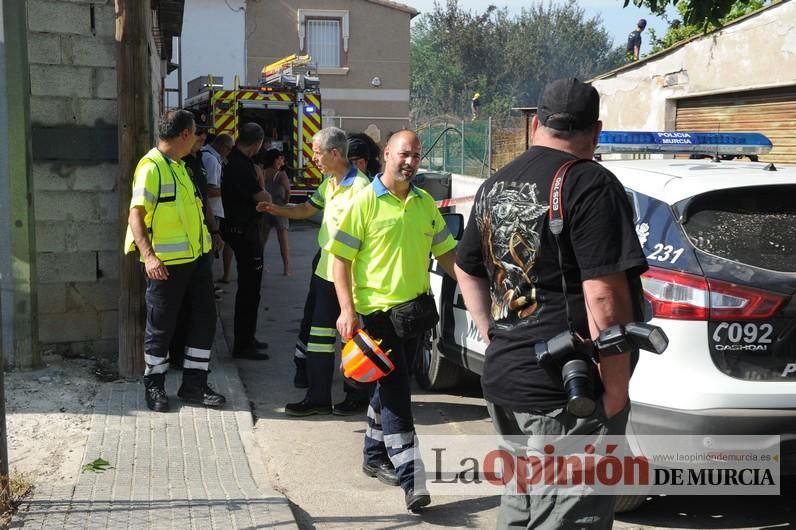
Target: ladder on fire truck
{"x":295,"y":73}
{"x":292,"y":71}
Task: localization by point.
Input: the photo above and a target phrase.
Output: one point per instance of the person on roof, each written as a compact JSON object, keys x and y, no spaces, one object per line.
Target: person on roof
{"x":634,"y":40}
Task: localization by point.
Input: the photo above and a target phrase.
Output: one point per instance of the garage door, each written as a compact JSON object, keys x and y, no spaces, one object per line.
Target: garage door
{"x":771,"y":112}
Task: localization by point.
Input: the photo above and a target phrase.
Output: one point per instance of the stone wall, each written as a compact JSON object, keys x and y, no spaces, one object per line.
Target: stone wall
{"x":74,"y":115}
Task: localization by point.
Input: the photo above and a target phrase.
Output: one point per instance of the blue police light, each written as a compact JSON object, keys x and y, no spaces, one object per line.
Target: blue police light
{"x":309,"y":109}
{"x":683,"y":142}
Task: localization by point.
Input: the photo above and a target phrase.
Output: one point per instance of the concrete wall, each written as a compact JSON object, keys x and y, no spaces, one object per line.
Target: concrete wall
{"x":378,"y":47}
{"x":756,"y":52}
{"x":74,"y":118}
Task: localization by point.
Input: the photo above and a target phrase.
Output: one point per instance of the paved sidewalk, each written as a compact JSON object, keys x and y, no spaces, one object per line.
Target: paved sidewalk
{"x":192,"y":468}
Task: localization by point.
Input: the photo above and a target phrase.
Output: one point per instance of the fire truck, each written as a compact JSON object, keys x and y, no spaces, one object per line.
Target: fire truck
{"x":286,"y":103}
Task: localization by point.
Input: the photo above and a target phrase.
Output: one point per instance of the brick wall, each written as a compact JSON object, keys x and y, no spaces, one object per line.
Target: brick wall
{"x":72,"y":54}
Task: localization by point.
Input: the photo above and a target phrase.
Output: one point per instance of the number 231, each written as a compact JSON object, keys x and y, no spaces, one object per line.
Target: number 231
{"x":665,"y":253}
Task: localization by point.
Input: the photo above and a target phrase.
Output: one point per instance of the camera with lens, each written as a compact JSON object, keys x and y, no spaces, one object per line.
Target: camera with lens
{"x":571,"y":361}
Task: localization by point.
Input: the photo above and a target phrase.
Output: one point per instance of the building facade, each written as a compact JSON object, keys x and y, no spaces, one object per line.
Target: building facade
{"x":361,"y":48}
{"x":739,"y":78}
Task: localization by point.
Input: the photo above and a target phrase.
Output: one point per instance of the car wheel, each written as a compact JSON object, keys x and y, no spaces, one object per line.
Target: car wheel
{"x":628,"y":503}
{"x":432,"y":370}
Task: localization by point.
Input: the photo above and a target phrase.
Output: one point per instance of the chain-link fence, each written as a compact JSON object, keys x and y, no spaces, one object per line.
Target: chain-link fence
{"x":475,"y":148}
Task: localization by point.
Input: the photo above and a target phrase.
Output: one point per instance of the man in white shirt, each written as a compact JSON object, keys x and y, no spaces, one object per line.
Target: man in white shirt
{"x":213,"y":157}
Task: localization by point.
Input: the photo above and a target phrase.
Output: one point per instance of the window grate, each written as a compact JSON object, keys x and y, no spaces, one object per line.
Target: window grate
{"x":323,"y":42}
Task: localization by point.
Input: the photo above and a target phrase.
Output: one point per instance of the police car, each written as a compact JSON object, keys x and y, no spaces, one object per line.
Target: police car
{"x":720,"y":239}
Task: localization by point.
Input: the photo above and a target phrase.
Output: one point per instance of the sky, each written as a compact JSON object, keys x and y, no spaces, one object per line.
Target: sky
{"x":617,"y":20}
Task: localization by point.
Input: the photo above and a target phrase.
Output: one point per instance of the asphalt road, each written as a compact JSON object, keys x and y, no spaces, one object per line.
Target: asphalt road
{"x":316,"y":461}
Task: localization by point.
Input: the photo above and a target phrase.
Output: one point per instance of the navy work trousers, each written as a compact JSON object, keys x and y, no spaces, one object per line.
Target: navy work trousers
{"x":306,"y":319}
{"x":391,"y":428}
{"x":191,"y":285}
{"x":321,"y":342}
{"x":317,"y":331}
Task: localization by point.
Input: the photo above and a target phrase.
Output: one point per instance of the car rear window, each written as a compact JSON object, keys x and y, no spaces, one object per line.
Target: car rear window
{"x":751,"y":225}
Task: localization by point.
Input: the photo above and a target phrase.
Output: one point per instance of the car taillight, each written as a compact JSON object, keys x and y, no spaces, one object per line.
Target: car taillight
{"x":682,"y":296}
{"x":676,"y":295}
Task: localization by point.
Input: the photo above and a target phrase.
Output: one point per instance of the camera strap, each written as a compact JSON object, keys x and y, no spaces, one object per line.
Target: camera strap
{"x":557,"y":225}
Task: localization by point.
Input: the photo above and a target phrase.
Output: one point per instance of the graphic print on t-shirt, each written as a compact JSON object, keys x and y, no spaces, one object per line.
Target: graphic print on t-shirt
{"x":510,"y":217}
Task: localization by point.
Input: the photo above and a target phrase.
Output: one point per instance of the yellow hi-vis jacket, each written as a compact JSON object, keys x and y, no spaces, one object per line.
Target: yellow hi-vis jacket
{"x":174,"y":216}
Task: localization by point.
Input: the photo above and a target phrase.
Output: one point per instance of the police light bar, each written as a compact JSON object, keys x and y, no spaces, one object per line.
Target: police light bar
{"x":683,"y":142}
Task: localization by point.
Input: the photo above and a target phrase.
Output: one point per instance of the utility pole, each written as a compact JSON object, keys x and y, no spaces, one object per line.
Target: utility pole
{"x":18,"y":285}
{"x":134,"y":93}
{"x":19,"y":330}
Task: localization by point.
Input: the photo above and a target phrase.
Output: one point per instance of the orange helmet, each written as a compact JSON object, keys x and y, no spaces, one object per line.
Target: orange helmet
{"x":363,"y":359}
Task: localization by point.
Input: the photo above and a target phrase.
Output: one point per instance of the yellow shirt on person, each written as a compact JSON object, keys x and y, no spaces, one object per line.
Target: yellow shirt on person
{"x":334,"y":199}
{"x":388,"y":242}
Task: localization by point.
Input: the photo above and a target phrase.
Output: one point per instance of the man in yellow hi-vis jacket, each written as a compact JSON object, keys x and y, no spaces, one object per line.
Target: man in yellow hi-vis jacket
{"x":166,"y":224}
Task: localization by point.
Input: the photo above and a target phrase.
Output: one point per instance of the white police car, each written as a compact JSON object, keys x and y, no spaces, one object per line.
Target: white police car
{"x":720,"y":239}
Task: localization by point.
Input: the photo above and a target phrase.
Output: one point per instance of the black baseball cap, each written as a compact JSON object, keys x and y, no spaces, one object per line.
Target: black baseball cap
{"x":569,"y":105}
{"x":357,"y":149}
{"x":642,"y":23}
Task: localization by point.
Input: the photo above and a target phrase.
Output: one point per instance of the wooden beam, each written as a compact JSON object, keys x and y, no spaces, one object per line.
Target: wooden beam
{"x":134,"y":92}
{"x":20,"y":319}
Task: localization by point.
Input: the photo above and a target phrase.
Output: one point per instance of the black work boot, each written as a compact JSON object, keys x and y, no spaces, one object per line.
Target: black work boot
{"x":384,"y":471}
{"x":305,"y":408}
{"x":416,"y":500}
{"x":194,"y":389}
{"x":300,"y":379}
{"x":155,"y":393}
{"x":350,"y":405}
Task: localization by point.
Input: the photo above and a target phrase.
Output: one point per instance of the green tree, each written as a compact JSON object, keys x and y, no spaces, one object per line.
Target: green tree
{"x":698,"y":13}
{"x":679,"y":32}
{"x":457,"y":52}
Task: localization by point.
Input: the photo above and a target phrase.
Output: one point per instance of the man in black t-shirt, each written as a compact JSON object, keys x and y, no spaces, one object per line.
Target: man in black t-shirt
{"x":634,"y":40}
{"x":509,"y":275}
{"x":240,"y":193}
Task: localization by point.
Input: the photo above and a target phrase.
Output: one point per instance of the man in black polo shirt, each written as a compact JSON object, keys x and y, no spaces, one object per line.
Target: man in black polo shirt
{"x":240,"y":193}
{"x":511,"y":280}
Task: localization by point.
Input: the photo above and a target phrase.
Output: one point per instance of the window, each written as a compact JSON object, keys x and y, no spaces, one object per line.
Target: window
{"x":751,"y":225}
{"x":324,"y":42}
{"x":323,"y":34}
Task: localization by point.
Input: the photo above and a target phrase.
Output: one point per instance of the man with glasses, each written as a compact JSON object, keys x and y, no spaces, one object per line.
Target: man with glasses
{"x":315,"y":347}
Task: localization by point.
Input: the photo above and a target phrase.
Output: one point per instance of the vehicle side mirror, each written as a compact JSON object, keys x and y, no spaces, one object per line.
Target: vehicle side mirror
{"x":455,"y":222}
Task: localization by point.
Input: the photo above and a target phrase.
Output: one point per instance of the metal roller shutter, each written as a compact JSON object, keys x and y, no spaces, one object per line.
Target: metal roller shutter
{"x":771,"y":112}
